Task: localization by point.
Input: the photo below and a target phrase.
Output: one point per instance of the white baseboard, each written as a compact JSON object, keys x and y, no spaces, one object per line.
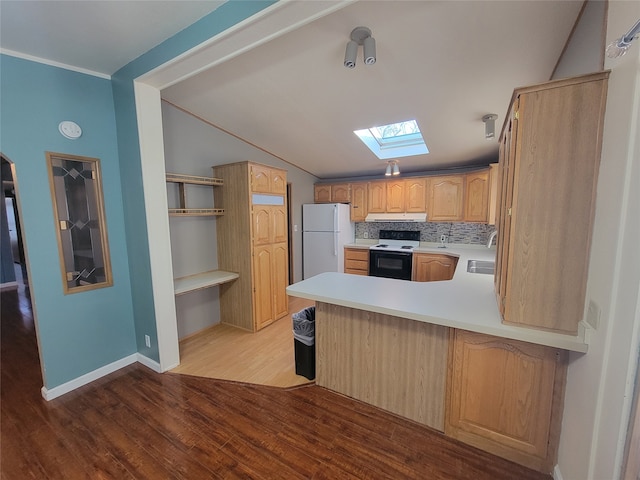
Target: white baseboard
{"x":556,"y":473}
{"x":55,"y":392}
{"x":147,"y":362}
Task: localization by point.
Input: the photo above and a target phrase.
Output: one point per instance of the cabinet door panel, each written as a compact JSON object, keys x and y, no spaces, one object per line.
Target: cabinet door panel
{"x":278,"y":182}
{"x":476,"y":204}
{"x":445,"y":198}
{"x":416,"y":195}
{"x":263,"y":286}
{"x":262,"y":225}
{"x":501,"y":396}
{"x":395,"y":196}
{"x":280,"y":279}
{"x":430,"y":268}
{"x":341,"y":193}
{"x":260,"y":179}
{"x":279,"y":224}
{"x":358,"y":202}
{"x":377,"y":197}
{"x":322,"y":193}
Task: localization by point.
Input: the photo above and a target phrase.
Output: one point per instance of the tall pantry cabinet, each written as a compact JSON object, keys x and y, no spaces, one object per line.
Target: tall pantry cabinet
{"x":252,"y":241}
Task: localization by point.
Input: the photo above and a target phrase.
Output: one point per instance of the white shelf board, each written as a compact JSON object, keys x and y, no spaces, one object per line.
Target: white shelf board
{"x":202,"y":280}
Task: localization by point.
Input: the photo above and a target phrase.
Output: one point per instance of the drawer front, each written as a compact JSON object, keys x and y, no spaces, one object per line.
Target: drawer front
{"x":357,"y":264}
{"x":356,"y":254}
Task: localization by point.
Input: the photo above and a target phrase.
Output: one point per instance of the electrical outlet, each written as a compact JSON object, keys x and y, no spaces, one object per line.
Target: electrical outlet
{"x":365,"y":234}
{"x":147,"y":341}
{"x":443,"y":238}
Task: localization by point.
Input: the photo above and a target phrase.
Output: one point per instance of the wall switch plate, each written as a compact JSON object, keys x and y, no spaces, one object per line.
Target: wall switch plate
{"x":147,"y":341}
{"x":593,"y":315}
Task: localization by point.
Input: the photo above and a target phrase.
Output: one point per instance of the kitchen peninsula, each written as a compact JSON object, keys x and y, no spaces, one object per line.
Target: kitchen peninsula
{"x":438,"y":353}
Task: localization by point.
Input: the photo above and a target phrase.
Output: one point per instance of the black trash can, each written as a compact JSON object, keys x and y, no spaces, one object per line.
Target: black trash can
{"x":304,"y":342}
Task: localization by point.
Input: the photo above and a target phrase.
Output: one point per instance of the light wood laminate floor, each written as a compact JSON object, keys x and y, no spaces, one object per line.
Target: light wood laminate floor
{"x":228,"y":353}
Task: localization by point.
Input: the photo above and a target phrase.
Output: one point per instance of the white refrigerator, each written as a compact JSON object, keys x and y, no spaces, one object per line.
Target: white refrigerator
{"x":326,"y":228}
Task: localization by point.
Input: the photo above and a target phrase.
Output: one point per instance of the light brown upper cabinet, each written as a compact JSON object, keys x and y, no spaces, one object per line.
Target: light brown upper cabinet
{"x":445,"y":197}
{"x":341,"y":193}
{"x":332,"y":193}
{"x":549,"y":158}
{"x":269,"y":224}
{"x":358,"y":202}
{"x":395,"y":196}
{"x":416,"y":195}
{"x":377,"y":197}
{"x":476,"y":197}
{"x":406,"y":195}
{"x":266,"y":179}
{"x":322,"y":193}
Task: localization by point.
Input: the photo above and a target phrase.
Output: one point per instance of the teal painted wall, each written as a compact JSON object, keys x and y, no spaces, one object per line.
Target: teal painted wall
{"x":219,"y":20}
{"x":84,"y":331}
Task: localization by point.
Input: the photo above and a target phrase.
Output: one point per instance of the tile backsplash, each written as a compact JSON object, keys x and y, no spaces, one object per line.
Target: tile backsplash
{"x":457,"y":232}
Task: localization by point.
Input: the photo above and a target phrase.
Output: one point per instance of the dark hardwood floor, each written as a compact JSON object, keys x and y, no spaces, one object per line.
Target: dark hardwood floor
{"x":139,"y":424}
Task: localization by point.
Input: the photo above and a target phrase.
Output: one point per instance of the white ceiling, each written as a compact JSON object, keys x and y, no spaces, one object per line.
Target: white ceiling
{"x":444,"y":63}
{"x":99,"y":36}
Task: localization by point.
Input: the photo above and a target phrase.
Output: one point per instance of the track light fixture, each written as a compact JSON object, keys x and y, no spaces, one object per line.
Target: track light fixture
{"x":619,"y":46}
{"x":360,"y":36}
{"x":392,"y":168}
{"x":489,"y":125}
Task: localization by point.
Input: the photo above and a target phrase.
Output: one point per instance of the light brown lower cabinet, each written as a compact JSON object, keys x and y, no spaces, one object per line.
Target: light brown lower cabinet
{"x":506,"y":397}
{"x":270,"y":281}
{"x":431,"y":267}
{"x":356,"y":261}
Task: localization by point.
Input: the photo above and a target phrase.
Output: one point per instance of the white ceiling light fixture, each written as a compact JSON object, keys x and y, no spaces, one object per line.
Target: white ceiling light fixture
{"x":360,"y":36}
{"x":489,"y":125}
{"x":619,"y":46}
{"x":392,"y":168}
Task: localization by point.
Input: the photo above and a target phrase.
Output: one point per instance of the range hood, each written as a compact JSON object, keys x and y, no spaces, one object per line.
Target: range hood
{"x":396,"y":217}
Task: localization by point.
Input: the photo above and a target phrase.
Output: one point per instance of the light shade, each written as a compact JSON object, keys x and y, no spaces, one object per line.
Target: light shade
{"x":619,"y":46}
{"x":396,"y":170}
{"x":489,"y":125}
{"x":388,"y":170}
{"x":369,"y":49}
{"x":350,"y":54}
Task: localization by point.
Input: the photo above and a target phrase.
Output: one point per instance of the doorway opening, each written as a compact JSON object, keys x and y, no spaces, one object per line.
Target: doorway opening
{"x":14,"y":265}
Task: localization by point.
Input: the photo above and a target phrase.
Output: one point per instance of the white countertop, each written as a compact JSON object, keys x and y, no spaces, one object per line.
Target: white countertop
{"x":467,"y":301}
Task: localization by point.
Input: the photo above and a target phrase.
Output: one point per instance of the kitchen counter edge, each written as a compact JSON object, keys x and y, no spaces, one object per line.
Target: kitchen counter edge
{"x":466,"y":302}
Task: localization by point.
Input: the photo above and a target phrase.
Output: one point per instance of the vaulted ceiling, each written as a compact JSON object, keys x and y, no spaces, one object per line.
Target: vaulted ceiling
{"x":443,"y":63}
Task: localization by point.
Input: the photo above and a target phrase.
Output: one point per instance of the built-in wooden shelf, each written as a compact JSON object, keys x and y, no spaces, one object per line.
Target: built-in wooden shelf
{"x":195,"y":212}
{"x":194,"y":179}
{"x":191,"y":283}
{"x":183,"y":180}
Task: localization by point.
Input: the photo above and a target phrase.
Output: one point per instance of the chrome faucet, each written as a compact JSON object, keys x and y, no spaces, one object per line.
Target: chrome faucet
{"x":491,"y":237}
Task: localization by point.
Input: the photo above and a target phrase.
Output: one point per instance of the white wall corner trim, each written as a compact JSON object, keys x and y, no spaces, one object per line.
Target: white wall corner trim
{"x":557,"y":475}
{"x":151,"y":364}
{"x":149,"y":113}
{"x":55,"y":392}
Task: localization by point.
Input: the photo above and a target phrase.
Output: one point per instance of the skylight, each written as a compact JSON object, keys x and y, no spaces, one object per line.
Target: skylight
{"x":396,"y":140}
